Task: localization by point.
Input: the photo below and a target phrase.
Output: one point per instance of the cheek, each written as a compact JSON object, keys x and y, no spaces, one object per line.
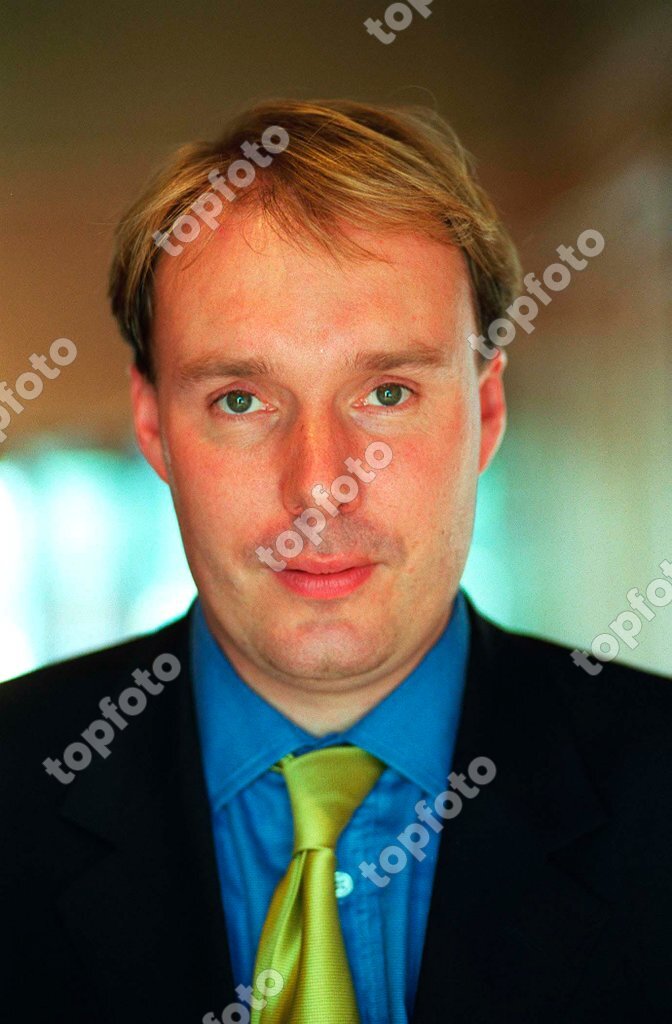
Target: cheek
{"x":435,"y":470}
{"x":217,"y":490}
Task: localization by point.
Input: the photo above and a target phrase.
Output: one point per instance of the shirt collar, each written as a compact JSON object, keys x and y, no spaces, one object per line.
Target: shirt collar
{"x":412,"y":730}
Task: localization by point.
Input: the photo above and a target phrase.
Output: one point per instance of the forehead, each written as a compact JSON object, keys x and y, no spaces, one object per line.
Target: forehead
{"x":247,"y":285}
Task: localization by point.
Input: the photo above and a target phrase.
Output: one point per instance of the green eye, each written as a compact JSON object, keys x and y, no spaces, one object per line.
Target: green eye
{"x":390,"y":395}
{"x":237,"y":402}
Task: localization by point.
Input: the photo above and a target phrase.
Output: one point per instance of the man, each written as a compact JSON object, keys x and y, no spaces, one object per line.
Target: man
{"x":333,"y":792}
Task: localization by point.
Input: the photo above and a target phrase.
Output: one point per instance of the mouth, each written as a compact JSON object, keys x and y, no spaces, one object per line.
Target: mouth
{"x":325,"y":580}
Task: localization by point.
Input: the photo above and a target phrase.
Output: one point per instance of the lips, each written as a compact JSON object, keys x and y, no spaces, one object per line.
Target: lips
{"x":327,"y":564}
{"x":324,"y":579}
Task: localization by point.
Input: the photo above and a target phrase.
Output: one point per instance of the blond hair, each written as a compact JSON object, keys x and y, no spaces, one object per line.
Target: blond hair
{"x":346,"y":163}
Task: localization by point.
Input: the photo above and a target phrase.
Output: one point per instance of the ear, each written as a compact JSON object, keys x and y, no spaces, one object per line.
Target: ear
{"x":493,"y":408}
{"x":146,"y":420}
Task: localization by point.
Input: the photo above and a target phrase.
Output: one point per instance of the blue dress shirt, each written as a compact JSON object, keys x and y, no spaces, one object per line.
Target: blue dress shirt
{"x":412,"y":730}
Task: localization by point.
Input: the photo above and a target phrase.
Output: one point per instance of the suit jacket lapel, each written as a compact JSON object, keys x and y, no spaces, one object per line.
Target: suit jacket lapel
{"x":509,"y":927}
{"x":144,"y":908}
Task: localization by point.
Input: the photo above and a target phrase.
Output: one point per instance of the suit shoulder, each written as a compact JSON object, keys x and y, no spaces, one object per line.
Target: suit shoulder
{"x":58,"y":687}
{"x":612,"y":698}
{"x":538,"y":652}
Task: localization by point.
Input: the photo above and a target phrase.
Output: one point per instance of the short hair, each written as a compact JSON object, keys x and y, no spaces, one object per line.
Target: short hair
{"x":391,"y":168}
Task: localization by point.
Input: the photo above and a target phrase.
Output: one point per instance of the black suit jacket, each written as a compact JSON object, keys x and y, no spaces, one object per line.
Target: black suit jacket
{"x":553,"y":893}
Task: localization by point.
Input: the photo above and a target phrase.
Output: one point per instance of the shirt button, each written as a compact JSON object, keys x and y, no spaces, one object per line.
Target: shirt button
{"x":344,"y":884}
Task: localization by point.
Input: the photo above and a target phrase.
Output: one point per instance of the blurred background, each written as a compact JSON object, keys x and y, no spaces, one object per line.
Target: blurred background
{"x":567,"y":109}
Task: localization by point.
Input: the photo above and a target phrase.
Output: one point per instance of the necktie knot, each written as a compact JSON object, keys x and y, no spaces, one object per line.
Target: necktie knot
{"x":325,"y":787}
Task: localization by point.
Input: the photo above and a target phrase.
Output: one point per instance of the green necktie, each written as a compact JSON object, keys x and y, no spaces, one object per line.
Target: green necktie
{"x":301,"y":937}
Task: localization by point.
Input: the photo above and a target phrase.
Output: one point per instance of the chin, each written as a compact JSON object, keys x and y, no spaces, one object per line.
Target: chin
{"x":336,"y":651}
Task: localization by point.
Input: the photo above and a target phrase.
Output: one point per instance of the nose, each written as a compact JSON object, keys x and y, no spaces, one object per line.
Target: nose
{"x":314,"y":454}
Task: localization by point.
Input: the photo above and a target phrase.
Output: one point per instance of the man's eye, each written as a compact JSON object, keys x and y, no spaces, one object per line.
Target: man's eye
{"x":389,"y":395}
{"x":236,"y":402}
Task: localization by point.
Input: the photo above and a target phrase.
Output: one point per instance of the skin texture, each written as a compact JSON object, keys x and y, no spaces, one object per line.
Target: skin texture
{"x":239,"y":480}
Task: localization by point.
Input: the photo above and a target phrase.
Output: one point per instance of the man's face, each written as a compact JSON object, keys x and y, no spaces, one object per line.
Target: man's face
{"x":322,"y":360}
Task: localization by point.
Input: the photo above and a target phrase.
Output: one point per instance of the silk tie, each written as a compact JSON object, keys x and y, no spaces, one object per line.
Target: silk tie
{"x":301,"y":937}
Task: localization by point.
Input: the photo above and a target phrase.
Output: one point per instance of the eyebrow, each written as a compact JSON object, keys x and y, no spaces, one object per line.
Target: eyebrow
{"x":209,"y":367}
{"x":416,"y":355}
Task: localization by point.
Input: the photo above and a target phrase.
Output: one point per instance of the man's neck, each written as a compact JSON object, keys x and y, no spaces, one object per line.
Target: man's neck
{"x":323,"y":706}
